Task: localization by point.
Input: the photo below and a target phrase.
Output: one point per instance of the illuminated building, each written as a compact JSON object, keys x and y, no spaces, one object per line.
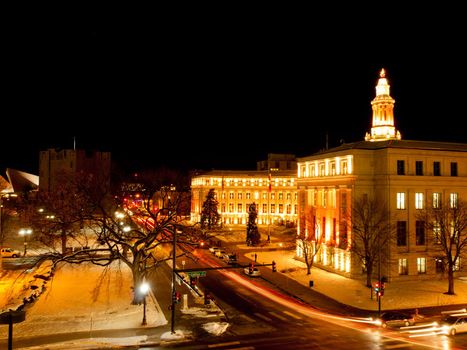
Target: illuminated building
{"x":406,"y":174}
{"x":274,"y":193}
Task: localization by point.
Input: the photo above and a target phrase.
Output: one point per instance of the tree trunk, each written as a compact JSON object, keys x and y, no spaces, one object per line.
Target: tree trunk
{"x":450,"y":281}
{"x":63,"y":238}
{"x":308,"y":266}
{"x":137,"y":280}
{"x":369,"y":273}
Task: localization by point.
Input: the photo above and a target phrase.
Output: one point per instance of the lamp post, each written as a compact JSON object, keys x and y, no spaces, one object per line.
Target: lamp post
{"x":144,"y":289}
{"x":25,"y":232}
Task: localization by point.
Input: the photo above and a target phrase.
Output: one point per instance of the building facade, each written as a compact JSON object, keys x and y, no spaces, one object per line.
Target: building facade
{"x":274,"y":193}
{"x":406,"y":175}
{"x":54,"y":162}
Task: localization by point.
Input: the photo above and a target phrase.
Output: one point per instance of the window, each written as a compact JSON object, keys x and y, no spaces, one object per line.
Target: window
{"x":418,"y":200}
{"x":436,"y":200}
{"x":248,"y":195}
{"x":256,"y":195}
{"x":288,"y":208}
{"x":403,"y":268}
{"x":223,"y":208}
{"x":453,"y":169}
{"x":281,"y":208}
{"x":333,"y":168}
{"x":231,"y":195}
{"x":453,"y":200}
{"x":436,"y":169}
{"x":265,"y":208}
{"x":400,"y":200}
{"x":273,"y":208}
{"x":281,"y":195}
{"x":303,"y":171}
{"x":239,"y":208}
{"x":420,"y":232}
{"x":323,"y":198}
{"x":401,"y":233}
{"x":321,"y":170}
{"x":231,"y":207}
{"x":223,"y":195}
{"x":288,"y":196}
{"x":273,"y":196}
{"x":400,"y":167}
{"x":436,"y":232}
{"x":295,"y":208}
{"x":265,"y":195}
{"x":418,"y":167}
{"x":344,"y":168}
{"x":421,"y":265}
{"x":240,"y":196}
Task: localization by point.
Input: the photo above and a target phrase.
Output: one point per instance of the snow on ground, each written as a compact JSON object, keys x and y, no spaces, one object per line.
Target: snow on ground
{"x":71,"y":303}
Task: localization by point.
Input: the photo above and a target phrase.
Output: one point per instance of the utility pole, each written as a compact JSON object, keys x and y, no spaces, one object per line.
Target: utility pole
{"x":379,"y":276}
{"x":174,"y":242}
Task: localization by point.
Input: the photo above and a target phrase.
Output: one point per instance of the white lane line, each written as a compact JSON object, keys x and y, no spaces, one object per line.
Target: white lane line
{"x":278,"y":316}
{"x":223,"y":344}
{"x":292,"y":315}
{"x":263,"y":317}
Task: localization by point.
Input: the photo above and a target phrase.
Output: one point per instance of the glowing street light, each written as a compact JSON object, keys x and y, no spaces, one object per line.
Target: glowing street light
{"x":144,"y":289}
{"x":25,"y":232}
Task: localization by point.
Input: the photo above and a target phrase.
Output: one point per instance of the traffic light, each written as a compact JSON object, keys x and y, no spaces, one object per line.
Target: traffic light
{"x":193,"y":281}
{"x":176,"y":297}
{"x":377,"y":287}
{"x":251,"y":268}
{"x":273,"y":266}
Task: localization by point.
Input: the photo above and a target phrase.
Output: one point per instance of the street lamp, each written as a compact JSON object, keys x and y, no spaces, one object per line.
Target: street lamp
{"x":144,"y":289}
{"x":25,"y":232}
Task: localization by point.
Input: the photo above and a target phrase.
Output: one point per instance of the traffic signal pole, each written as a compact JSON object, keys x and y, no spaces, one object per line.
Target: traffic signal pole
{"x":172,"y":321}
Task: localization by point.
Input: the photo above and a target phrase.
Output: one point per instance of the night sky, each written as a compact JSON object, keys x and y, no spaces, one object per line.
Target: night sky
{"x":217,"y":97}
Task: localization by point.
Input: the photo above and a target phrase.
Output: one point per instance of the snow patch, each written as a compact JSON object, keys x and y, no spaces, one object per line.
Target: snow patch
{"x":216,"y":328}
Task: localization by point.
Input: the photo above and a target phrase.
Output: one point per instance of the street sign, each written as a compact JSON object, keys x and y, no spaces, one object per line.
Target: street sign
{"x":12,"y":316}
{"x":196,"y":273}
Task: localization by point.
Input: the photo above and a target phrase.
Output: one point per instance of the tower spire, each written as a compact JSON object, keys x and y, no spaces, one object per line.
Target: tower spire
{"x":383,"y":113}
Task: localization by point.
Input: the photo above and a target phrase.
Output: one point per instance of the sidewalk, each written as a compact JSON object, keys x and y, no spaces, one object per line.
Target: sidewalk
{"x":354,"y":293}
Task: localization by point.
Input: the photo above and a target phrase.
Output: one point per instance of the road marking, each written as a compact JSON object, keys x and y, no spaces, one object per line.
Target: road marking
{"x":278,"y":316}
{"x":248,"y":318}
{"x":292,"y":315}
{"x":223,"y":344}
{"x":397,"y":346}
{"x":263,"y":317}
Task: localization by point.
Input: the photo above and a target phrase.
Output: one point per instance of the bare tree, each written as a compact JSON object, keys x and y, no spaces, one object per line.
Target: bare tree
{"x":371,"y":233}
{"x":310,"y":238}
{"x":140,"y":231}
{"x":448,"y":224}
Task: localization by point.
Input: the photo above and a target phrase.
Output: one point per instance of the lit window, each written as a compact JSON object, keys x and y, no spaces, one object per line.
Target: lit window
{"x":421,"y":265}
{"x":281,"y":208}
{"x":288,"y":195}
{"x":240,"y":195}
{"x":231,"y":195}
{"x":322,"y":170}
{"x":403,"y":268}
{"x":273,"y":208}
{"x":248,"y":195}
{"x":281,"y":195}
{"x":400,"y":200}
{"x":437,"y":232}
{"x":265,"y":195}
{"x":288,"y":208}
{"x":265,"y":208}
{"x":231,"y":207}
{"x":436,"y":200}
{"x":453,"y":200}
{"x":273,"y":196}
{"x":239,"y":207}
{"x":256,"y":195}
{"x":344,"y":167}
{"x":418,"y":200}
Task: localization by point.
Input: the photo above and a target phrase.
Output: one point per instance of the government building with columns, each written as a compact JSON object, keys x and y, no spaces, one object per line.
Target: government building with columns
{"x":273,"y":189}
{"x":407,"y":175}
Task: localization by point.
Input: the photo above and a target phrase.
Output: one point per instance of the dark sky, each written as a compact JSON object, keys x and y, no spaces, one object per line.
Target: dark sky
{"x":218,"y":96}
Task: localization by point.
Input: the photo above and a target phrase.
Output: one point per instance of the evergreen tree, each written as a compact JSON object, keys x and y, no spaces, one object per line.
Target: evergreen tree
{"x":210,"y":215}
{"x":252,"y":233}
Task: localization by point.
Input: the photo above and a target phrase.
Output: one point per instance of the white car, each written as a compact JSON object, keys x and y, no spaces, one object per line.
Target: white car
{"x":10,"y":253}
{"x":455,"y":323}
{"x":253,"y":273}
{"x":213,"y":250}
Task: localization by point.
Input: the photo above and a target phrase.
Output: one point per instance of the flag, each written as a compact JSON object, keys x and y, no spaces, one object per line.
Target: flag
{"x":270,"y":183}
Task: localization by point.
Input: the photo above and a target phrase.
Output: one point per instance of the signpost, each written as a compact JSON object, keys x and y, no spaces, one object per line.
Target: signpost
{"x":196,"y":273}
{"x":10,"y":317}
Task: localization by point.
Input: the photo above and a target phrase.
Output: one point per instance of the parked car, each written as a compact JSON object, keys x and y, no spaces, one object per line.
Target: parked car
{"x":396,"y":319}
{"x":454,"y":323}
{"x":9,"y":253}
{"x":213,"y":250}
{"x":230,"y":258}
{"x":220,"y":253}
{"x":253,"y":273}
